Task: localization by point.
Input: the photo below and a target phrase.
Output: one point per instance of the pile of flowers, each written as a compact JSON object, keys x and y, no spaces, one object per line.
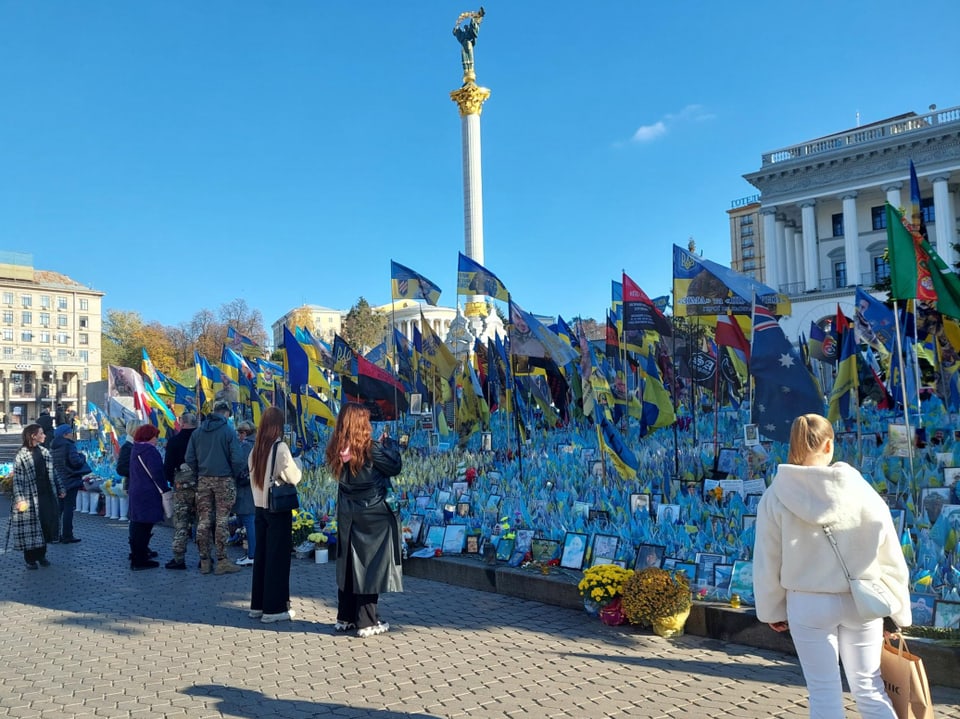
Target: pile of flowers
{"x":319,"y":539}
{"x":653,"y":593}
{"x":302,"y":527}
{"x":6,"y":478}
{"x":603,"y":583}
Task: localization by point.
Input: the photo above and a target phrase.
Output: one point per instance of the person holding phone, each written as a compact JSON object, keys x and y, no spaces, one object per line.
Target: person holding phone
{"x":369,"y":562}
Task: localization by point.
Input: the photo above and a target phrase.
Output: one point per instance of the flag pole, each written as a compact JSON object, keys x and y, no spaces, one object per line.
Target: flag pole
{"x":903,"y":385}
{"x":516,"y":412}
{"x":916,"y":361}
{"x":673,"y":389}
{"x":393,"y":341}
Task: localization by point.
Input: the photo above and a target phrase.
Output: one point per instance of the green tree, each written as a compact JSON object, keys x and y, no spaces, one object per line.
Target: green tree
{"x":244,"y":319}
{"x":363,"y":327}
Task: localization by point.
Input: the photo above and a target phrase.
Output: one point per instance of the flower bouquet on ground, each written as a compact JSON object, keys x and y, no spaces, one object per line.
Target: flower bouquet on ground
{"x":601,"y":588}
{"x":659,"y":598}
{"x":301,"y":529}
{"x":319,"y":540}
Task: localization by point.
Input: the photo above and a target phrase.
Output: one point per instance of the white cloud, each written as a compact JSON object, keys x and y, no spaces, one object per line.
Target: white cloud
{"x":690,"y":113}
{"x":648,"y":133}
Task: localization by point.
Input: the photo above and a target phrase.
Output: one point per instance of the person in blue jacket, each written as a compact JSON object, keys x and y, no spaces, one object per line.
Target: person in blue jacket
{"x":71,"y":467}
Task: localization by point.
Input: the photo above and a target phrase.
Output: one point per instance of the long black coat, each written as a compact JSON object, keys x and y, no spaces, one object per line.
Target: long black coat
{"x":368,"y":531}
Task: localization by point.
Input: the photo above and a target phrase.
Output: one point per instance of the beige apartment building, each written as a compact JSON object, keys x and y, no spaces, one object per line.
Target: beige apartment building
{"x":50,"y":329}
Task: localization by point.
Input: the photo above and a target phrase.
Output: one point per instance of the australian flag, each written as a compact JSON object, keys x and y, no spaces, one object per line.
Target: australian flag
{"x":783,"y":388}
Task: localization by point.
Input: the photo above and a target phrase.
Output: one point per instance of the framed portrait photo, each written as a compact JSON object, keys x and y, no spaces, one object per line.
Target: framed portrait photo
{"x":649,"y":555}
{"x":751,"y":435}
{"x":688,"y":568}
{"x":640,"y":503}
{"x":574,"y":550}
{"x":727,"y":460}
{"x":463,"y":509}
{"x":416,"y":403}
{"x":435,"y":534}
{"x":706,"y":561}
{"x":486,"y":442}
{"x":504,"y":549}
{"x":516,"y":559}
{"x":749,"y":520}
{"x":493,"y":502}
{"x":604,"y":549}
{"x":741,"y":582}
{"x":454,"y":537}
{"x":523,"y":541}
{"x":581,"y":509}
{"x":933,"y":500}
{"x":946,"y":615}
{"x":752,"y":502}
{"x":458,"y":488}
{"x":472,"y":544}
{"x":722,"y":573}
{"x":415,"y":524}
{"x":598,"y":515}
{"x":950,"y":474}
{"x":543,"y":550}
{"x":668,"y":513}
{"x":921,"y":607}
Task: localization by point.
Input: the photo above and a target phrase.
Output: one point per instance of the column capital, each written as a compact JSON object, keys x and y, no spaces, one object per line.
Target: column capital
{"x":781,"y":218}
{"x":891,"y":186}
{"x":808,"y":203}
{"x":771,"y":210}
{"x":849,"y":196}
{"x":942,"y":177}
{"x":470,"y":99}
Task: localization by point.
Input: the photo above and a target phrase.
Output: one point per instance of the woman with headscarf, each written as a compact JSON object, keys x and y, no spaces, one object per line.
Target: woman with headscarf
{"x":35,"y":512}
{"x":369,"y":530}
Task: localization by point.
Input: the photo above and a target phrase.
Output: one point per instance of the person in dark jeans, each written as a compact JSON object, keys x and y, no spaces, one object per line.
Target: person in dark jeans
{"x":147,"y":483}
{"x":71,"y":467}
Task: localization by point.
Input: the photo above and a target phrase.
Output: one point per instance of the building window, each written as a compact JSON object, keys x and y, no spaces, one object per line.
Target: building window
{"x":746,"y":220}
{"x":840,"y":273}
{"x":84,"y":356}
{"x":837,"y":221}
{"x":8,"y":298}
{"x":926,"y":210}
{"x":84,"y":305}
{"x":45,"y":355}
{"x":27,"y":353}
{"x":8,"y":335}
{"x":878,"y":217}
{"x":750,"y":265}
{"x":26,"y":336}
{"x":44,"y":319}
{"x":7,"y":352}
{"x":746,"y":231}
{"x":61,"y":320}
{"x":26,"y":300}
{"x":45,"y":337}
{"x":26,"y":318}
{"x":84,"y":322}
{"x":45,"y":302}
{"x":62,"y":337}
{"x":61,"y":355}
{"x":881,"y":268}
{"x":84,"y":338}
{"x":61,"y":303}
{"x":8,"y":317}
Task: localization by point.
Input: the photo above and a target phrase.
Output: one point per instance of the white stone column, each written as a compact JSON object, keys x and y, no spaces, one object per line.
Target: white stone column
{"x":893,"y":194}
{"x":944,"y":217}
{"x":811,"y":266}
{"x":851,"y":239}
{"x":782,"y":255}
{"x":770,"y":258}
{"x":472,"y":188}
{"x":795,"y":250}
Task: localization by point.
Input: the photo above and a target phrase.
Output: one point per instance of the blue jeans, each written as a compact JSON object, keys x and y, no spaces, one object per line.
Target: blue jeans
{"x":249,"y":527}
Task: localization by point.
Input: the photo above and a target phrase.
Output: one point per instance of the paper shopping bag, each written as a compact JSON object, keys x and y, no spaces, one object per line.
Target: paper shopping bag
{"x":906,"y":681}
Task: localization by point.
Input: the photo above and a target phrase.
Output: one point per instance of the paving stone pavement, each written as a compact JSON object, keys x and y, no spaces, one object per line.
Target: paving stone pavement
{"x":89,"y":638}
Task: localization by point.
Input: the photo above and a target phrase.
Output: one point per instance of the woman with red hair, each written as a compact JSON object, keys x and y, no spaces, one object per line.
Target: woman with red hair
{"x":147,"y":482}
{"x":369,"y":530}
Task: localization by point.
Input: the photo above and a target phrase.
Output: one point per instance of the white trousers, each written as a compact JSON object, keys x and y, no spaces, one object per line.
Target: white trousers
{"x":826,"y":629}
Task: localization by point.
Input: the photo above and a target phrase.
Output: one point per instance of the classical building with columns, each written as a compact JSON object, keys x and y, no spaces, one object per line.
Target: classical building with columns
{"x":818,"y":228}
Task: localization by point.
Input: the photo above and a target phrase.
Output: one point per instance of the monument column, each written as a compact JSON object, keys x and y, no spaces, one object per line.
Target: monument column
{"x":893,"y":194}
{"x":770,"y":258}
{"x":470,"y":98}
{"x":941,"y":209}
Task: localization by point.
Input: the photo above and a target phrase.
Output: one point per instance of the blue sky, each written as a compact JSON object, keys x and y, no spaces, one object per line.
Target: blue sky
{"x":179,"y":154}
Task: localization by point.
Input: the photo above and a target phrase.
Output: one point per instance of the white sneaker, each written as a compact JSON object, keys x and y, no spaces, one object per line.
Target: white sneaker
{"x":344,"y":626}
{"x":244,"y":562}
{"x":378,"y":628}
{"x":255,"y":613}
{"x":271,"y":618}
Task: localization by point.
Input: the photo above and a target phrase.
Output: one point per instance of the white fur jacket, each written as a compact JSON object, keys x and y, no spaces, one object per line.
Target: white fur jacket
{"x":791,"y":551}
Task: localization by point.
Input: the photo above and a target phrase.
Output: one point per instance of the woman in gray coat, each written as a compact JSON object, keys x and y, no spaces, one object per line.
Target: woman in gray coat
{"x":35,"y":512}
{"x":368,"y":529}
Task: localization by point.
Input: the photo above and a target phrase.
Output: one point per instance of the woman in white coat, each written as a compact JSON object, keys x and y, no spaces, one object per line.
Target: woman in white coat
{"x":798,"y":580}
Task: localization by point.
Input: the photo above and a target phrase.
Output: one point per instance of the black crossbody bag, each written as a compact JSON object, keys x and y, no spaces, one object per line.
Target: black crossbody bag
{"x":281,"y":497}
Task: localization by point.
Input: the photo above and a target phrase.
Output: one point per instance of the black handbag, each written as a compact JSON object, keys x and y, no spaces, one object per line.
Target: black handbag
{"x":281,"y":497}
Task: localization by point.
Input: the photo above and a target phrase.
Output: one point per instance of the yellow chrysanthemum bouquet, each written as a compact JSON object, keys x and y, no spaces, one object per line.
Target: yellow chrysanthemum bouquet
{"x":603,"y":583}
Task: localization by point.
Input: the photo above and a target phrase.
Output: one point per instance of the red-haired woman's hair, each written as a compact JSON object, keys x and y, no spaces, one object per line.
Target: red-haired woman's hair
{"x":353,"y":432}
{"x":145,"y":433}
{"x":269,"y":431}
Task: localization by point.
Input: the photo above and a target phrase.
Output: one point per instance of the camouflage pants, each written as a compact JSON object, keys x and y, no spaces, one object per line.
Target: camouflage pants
{"x":184,"y":516}
{"x":215,"y":497}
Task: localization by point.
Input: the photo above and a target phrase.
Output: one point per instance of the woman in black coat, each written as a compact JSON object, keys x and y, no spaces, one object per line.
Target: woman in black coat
{"x":35,"y":511}
{"x":369,"y":531}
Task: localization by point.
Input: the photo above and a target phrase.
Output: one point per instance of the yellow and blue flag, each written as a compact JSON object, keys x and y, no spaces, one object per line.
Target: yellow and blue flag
{"x":474,"y":279}
{"x":847,"y":382}
{"x":242,"y":345}
{"x":409,"y":285}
